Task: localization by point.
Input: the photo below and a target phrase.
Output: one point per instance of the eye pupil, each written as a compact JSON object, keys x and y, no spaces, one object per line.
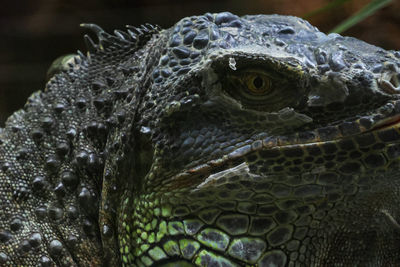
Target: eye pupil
{"x":258,"y":82}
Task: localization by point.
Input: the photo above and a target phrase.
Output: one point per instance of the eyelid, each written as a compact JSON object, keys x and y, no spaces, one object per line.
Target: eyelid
{"x":241,"y":73}
{"x":288,"y":85}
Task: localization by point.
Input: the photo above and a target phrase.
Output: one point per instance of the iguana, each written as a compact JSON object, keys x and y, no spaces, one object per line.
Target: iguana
{"x":222,"y":141}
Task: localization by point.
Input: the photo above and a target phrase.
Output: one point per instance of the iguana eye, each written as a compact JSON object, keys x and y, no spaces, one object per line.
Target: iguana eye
{"x":251,"y":85}
{"x":257,"y":84}
{"x":264,"y":87}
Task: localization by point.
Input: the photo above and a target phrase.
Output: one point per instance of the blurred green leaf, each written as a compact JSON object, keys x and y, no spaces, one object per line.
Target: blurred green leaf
{"x":327,"y":7}
{"x":365,"y":12}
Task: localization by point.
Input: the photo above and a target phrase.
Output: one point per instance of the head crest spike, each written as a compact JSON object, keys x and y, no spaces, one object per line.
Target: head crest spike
{"x":90,"y":45}
{"x":132,"y":35}
{"x":93,"y":27}
{"x":122,"y":35}
{"x":107,"y":39}
{"x":81,"y":55}
{"x":135,"y":30}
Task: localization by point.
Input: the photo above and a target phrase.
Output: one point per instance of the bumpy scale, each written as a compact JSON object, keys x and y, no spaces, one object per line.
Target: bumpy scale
{"x":223,"y":141}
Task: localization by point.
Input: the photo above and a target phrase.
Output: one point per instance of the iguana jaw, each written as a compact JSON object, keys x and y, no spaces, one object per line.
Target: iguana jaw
{"x":383,"y":131}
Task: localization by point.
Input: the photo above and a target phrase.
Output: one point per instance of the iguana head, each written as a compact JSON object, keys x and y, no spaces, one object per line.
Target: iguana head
{"x":261,"y":140}
{"x":223,"y":141}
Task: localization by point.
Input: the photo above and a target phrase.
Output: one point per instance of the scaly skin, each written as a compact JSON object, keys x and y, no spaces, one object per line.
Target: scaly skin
{"x":223,"y":141}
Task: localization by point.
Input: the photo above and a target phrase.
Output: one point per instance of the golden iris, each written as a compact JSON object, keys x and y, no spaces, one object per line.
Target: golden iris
{"x":256,"y":83}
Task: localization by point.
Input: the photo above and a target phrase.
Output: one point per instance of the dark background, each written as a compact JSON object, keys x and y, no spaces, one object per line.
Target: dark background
{"x":34,"y":33}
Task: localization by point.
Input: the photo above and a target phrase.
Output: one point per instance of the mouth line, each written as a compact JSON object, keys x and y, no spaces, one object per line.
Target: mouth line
{"x":393,"y":121}
{"x":386,"y":131}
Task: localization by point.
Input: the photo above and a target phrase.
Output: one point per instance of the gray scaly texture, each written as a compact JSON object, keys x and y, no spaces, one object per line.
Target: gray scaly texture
{"x":222,"y":141}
